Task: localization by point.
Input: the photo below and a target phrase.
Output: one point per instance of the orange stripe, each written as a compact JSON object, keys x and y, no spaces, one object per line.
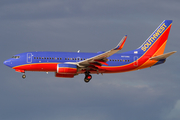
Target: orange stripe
{"x":149,"y":62}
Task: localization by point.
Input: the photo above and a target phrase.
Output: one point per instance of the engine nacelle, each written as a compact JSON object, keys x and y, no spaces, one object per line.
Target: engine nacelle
{"x":64,"y":75}
{"x":66,"y":69}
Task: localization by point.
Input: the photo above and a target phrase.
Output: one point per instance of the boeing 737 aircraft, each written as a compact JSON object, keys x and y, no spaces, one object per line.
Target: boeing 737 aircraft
{"x":70,"y":64}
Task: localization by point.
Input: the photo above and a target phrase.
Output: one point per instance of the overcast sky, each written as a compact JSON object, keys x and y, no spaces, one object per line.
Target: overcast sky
{"x":89,"y":26}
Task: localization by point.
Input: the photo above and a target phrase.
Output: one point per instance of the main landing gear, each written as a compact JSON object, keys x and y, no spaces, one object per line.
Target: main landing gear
{"x":23,"y":76}
{"x":88,"y":77}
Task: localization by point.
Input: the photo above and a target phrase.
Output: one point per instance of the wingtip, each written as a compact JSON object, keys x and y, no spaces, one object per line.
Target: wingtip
{"x":125,"y":36}
{"x":121,"y":43}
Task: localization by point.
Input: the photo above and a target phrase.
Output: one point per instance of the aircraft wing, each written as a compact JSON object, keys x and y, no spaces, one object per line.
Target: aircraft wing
{"x":102,"y":58}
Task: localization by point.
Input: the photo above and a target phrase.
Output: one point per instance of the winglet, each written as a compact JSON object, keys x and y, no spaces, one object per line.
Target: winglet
{"x":121,"y":43}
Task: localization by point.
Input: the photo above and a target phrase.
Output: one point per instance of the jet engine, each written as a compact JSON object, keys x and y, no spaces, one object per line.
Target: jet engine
{"x":66,"y":70}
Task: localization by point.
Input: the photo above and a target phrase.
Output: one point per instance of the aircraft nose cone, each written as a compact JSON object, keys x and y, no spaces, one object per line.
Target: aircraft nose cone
{"x":7,"y":63}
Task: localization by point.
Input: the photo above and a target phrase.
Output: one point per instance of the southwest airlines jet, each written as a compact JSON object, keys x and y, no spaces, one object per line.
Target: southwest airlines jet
{"x":70,"y":64}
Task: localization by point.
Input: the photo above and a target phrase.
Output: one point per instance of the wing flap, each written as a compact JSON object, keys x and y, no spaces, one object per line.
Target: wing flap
{"x":101,"y":62}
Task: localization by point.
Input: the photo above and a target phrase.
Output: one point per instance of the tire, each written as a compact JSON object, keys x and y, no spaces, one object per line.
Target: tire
{"x":87,"y":78}
{"x":23,"y":76}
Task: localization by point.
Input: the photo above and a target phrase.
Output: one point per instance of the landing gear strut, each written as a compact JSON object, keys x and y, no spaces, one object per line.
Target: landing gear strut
{"x":88,"y":77}
{"x":23,"y":76}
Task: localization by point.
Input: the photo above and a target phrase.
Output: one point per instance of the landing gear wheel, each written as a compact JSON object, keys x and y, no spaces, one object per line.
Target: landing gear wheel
{"x":23,"y":76}
{"x":87,"y":78}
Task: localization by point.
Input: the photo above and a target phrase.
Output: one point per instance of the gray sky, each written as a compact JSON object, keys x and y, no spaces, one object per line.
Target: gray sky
{"x":89,"y":26}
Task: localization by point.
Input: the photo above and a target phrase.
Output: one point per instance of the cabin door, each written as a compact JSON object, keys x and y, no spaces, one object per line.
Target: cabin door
{"x":135,"y":61}
{"x":29,"y":57}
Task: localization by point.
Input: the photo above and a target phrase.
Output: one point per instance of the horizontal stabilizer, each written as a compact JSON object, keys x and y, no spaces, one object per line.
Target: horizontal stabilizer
{"x":163,"y":56}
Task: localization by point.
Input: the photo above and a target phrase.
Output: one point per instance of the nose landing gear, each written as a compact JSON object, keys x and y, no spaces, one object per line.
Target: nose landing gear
{"x":23,"y":76}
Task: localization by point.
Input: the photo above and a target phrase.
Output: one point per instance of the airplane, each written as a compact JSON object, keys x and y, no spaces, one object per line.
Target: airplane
{"x":70,"y":64}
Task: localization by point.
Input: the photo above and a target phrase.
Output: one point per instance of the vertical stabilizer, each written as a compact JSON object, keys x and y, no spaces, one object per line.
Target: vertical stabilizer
{"x":157,"y":40}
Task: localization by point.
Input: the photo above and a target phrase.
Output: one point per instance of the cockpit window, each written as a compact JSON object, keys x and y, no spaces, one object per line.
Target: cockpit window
{"x":16,"y":57}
